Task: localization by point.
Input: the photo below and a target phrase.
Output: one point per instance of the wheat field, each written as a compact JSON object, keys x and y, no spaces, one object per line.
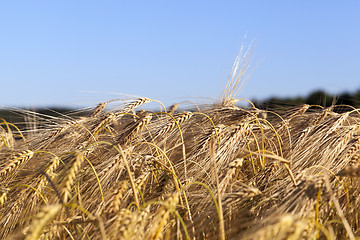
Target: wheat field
{"x":217,"y":172}
{"x":210,"y":171}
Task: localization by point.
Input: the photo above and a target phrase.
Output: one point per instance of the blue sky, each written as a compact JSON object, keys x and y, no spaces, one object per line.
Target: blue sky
{"x":78,"y":53}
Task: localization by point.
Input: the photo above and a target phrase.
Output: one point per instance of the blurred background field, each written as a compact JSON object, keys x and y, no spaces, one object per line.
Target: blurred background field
{"x":319,"y":97}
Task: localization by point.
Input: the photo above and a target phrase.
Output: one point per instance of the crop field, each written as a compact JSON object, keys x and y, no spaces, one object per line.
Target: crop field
{"x":215,"y":171}
{"x":218,"y":172}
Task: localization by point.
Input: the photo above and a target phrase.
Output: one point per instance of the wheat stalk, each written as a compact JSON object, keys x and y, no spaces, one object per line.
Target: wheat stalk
{"x":219,"y":199}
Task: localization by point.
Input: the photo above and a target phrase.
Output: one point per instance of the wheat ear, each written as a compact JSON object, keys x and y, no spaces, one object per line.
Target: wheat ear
{"x":104,"y":122}
{"x":49,"y":172}
{"x":300,"y":111}
{"x":230,"y":174}
{"x":172,"y":124}
{"x":353,"y":154}
{"x":19,"y":159}
{"x":99,"y":108}
{"x":287,"y":227}
{"x":131,"y":225}
{"x":42,"y":218}
{"x":120,"y":217}
{"x":173,"y":108}
{"x":136,"y":104}
{"x":162,"y":216}
{"x":140,"y":224}
{"x":138,"y":128}
{"x":339,"y":122}
{"x":71,"y":174}
{"x":117,"y":197}
{"x":322,"y":116}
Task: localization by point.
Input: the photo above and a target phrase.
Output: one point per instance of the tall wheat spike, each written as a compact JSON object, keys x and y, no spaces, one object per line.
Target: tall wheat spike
{"x":131,"y":225}
{"x":237,"y":77}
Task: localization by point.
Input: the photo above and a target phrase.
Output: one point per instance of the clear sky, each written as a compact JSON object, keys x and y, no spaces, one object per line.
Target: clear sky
{"x":78,"y":53}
